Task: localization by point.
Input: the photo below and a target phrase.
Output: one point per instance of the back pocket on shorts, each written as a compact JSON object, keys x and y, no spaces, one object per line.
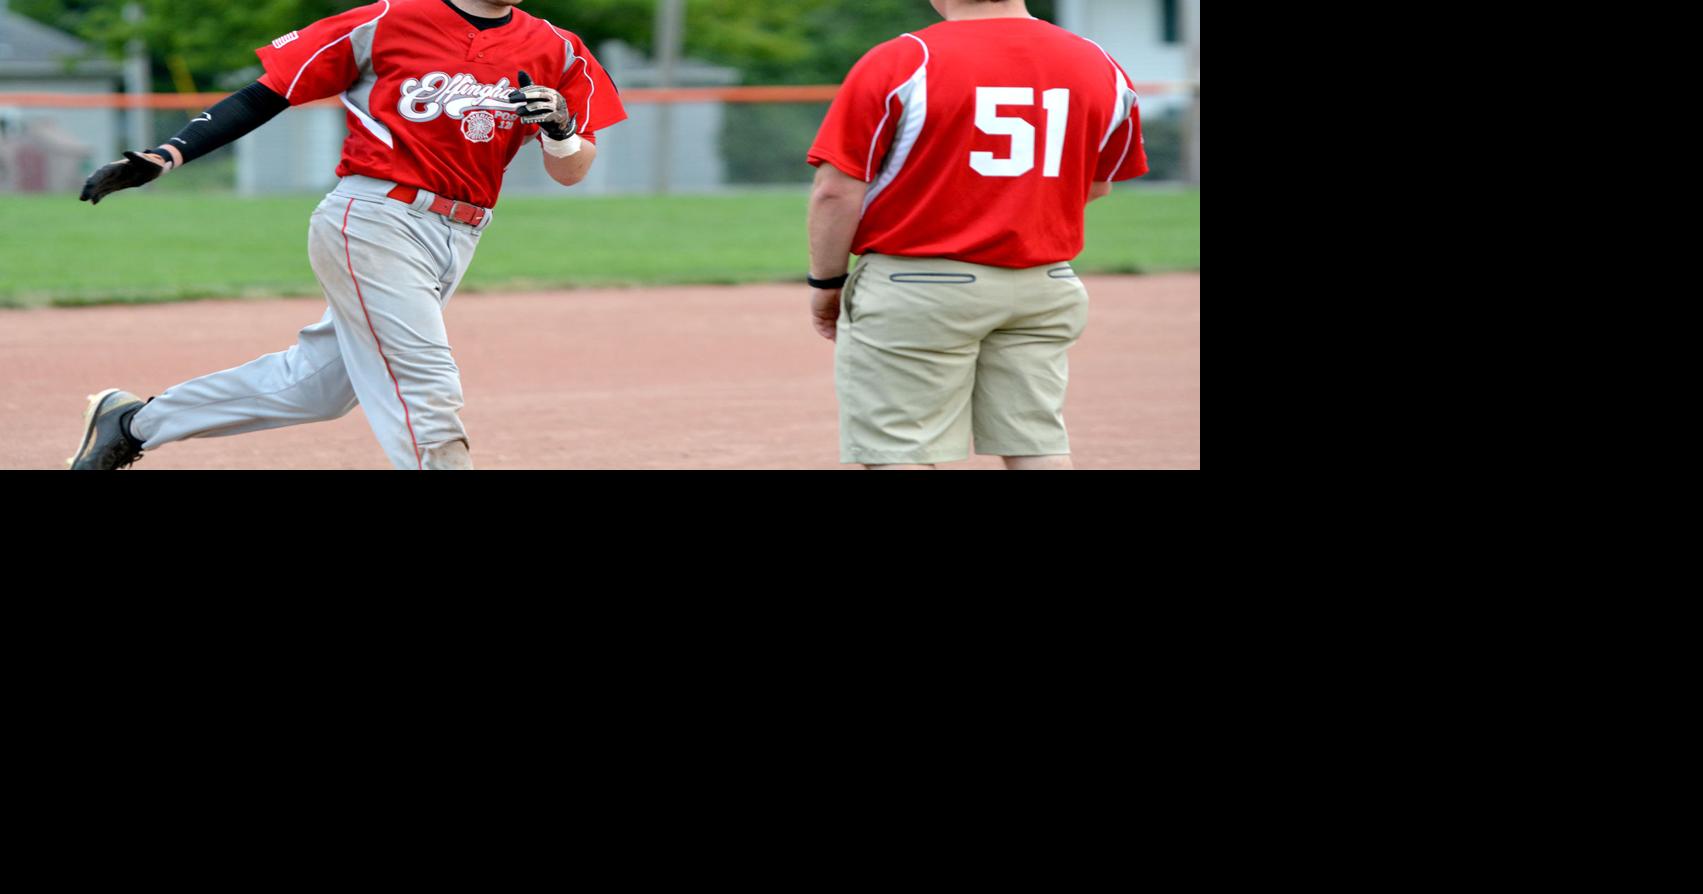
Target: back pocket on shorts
{"x":943,"y":279}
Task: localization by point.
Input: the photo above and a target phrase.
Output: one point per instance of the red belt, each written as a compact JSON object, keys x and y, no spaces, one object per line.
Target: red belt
{"x":472,"y":215}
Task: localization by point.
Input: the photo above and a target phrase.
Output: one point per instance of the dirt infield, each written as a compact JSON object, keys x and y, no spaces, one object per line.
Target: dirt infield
{"x":680,"y":378}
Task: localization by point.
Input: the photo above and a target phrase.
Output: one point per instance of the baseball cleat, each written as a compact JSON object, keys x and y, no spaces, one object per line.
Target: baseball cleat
{"x":106,"y":444}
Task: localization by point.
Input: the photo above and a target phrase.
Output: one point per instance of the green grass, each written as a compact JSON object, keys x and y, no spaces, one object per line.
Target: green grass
{"x":164,"y":246}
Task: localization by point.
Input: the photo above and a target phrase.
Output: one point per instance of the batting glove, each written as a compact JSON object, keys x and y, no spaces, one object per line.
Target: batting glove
{"x":134,"y":170}
{"x":544,"y":107}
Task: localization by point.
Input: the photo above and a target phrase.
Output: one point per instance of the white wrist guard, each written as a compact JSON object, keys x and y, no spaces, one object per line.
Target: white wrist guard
{"x":562,"y":148}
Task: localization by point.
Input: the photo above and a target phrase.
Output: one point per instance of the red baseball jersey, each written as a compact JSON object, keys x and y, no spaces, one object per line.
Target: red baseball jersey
{"x":427,"y":93}
{"x":980,"y":140}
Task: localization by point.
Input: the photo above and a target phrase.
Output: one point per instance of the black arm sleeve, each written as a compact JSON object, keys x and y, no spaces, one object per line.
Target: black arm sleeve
{"x":231,"y":119}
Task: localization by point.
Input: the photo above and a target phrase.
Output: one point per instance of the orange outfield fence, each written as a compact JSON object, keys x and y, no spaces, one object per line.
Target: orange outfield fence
{"x":196,"y":101}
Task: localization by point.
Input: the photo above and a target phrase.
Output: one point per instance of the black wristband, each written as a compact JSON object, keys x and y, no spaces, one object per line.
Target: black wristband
{"x":833,"y":283}
{"x":560,"y":132}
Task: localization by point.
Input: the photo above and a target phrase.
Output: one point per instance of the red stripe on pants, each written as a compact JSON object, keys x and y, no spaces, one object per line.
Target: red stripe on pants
{"x":405,"y":415}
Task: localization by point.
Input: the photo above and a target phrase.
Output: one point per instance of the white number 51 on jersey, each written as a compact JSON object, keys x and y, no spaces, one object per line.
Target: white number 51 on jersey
{"x":1022,"y":133}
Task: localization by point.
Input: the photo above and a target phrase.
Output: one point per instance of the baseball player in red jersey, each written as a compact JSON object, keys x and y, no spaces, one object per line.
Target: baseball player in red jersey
{"x":958,"y":161}
{"x":440,"y":96}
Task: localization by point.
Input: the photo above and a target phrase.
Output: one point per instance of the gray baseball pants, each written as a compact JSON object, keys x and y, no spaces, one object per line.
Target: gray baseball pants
{"x":387,"y":269}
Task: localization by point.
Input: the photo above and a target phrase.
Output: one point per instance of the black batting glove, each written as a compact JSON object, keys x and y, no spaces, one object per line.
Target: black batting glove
{"x":134,"y":170}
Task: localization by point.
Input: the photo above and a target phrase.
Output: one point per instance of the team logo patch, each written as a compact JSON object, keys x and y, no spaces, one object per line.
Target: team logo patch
{"x":287,"y":39}
{"x":479,"y":127}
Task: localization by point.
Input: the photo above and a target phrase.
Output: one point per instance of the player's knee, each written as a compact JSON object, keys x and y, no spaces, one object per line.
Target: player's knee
{"x":332,"y":409}
{"x":1057,"y":462}
{"x":339,"y":410}
{"x":453,"y":456}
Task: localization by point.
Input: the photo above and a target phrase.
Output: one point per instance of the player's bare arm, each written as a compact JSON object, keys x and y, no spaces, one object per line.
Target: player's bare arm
{"x":567,"y":157}
{"x":571,"y":170}
{"x":836,"y":203}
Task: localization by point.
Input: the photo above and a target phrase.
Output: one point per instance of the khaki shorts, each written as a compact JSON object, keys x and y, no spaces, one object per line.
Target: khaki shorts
{"x":929,"y":352}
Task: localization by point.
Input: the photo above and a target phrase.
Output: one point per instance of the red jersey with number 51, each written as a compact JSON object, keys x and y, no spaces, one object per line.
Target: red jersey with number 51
{"x":427,"y":93}
{"x":980,"y":139}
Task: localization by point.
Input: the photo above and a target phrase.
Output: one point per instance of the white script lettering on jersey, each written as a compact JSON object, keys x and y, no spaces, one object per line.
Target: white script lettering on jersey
{"x":424,"y":99}
{"x":286,"y":40}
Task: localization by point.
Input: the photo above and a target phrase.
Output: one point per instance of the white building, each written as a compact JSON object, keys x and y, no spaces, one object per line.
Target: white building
{"x":1152,"y":40}
{"x":1149,"y":38}
{"x":48,"y":148}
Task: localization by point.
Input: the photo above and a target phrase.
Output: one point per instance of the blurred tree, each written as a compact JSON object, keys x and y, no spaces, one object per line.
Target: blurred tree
{"x":596,"y":21}
{"x":801,"y":42}
{"x":771,"y":41}
{"x":211,"y":38}
{"x":61,"y":14}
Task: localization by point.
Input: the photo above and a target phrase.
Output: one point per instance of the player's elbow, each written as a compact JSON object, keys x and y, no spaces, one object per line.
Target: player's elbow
{"x":834,"y":186}
{"x":570,"y":178}
{"x":571,"y":170}
{"x":836,"y":196}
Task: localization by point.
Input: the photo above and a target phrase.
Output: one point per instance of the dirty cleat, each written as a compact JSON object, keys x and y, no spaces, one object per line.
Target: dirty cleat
{"x":107,"y":443}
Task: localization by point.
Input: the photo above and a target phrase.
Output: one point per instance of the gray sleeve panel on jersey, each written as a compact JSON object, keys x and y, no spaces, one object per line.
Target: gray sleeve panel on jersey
{"x":568,"y":56}
{"x":568,"y":60}
{"x":1126,"y":106}
{"x":361,"y":41}
{"x":358,"y":98}
{"x":913,"y":100}
{"x":1125,"y":100}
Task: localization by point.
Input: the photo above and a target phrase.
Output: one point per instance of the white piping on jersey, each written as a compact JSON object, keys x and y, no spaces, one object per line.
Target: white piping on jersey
{"x":1124,"y":101}
{"x":377,"y":129}
{"x":913,"y":98}
{"x":328,"y":46}
{"x":887,"y":109}
{"x":1127,"y":102}
{"x":1128,"y":144}
{"x":584,"y":70}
